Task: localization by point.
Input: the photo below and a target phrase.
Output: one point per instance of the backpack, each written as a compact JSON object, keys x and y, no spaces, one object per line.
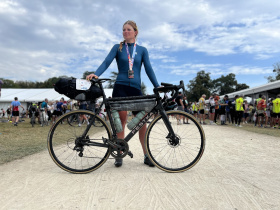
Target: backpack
{"x":261,"y":104}
{"x":33,"y":108}
{"x":67,"y":86}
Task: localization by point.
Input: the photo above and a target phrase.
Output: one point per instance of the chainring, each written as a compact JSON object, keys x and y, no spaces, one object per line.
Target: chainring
{"x":120,"y":149}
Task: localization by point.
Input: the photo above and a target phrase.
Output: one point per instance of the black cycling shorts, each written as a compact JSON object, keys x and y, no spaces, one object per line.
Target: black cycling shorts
{"x":212,"y":109}
{"x":15,"y":113}
{"x":125,"y":91}
{"x":275,"y":115}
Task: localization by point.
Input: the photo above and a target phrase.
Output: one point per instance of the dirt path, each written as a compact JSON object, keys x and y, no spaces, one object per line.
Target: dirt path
{"x":239,"y":170}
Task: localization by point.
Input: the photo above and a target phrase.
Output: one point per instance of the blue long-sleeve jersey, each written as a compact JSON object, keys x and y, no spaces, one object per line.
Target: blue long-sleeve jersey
{"x":141,"y":56}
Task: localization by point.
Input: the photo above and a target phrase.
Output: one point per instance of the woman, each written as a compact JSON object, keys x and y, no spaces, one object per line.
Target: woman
{"x":82,"y":106}
{"x":129,"y":57}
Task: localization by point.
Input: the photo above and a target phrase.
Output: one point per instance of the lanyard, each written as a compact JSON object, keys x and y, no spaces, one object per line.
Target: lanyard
{"x":130,"y":60}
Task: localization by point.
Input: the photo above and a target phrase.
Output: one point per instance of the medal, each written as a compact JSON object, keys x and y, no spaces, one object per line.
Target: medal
{"x":130,"y":74}
{"x":130,"y":61}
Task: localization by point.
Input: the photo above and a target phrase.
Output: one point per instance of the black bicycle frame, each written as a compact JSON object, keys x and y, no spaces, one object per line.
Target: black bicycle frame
{"x":158,"y":108}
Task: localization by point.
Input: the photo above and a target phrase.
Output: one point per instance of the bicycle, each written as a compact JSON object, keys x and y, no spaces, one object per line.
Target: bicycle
{"x":32,"y":118}
{"x":170,"y":145}
{"x":75,"y":120}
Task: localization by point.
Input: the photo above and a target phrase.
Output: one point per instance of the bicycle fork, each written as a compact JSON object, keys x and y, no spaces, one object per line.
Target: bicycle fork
{"x":173,"y":139}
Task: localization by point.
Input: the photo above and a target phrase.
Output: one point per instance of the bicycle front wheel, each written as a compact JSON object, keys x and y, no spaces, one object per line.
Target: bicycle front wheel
{"x":176,"y":155}
{"x":75,"y":150}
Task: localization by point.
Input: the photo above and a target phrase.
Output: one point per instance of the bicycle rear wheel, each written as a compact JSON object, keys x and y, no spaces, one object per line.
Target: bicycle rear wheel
{"x":73,"y":119}
{"x":33,"y":119}
{"x":170,"y":155}
{"x":71,"y":150}
{"x":42,"y":119}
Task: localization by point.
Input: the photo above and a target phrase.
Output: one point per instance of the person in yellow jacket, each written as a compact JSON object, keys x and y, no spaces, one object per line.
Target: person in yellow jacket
{"x":194,"y":109}
{"x":276,"y":111}
{"x":239,"y":110}
{"x":202,"y":109}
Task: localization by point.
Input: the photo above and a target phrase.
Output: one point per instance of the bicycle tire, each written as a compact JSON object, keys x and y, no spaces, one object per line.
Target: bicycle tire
{"x":102,"y":116}
{"x":33,"y":119}
{"x":61,"y":144}
{"x":171,"y":157}
{"x":71,"y":120}
{"x":42,"y":119}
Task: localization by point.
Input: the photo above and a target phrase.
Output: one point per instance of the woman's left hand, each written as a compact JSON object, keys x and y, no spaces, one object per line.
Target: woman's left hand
{"x":89,"y":77}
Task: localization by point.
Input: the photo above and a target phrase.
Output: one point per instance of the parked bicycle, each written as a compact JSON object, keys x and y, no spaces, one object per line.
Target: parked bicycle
{"x":32,"y":110}
{"x":170,"y":145}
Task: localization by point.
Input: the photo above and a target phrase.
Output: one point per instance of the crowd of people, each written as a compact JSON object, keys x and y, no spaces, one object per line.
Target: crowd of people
{"x":218,"y":111}
{"x":53,"y":110}
{"x":237,"y":112}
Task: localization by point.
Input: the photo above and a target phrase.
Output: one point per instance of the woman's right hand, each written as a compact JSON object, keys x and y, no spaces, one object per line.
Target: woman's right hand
{"x":89,"y":77}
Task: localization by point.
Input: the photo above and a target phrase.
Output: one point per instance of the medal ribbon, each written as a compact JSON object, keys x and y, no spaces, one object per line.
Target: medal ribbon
{"x":130,"y":60}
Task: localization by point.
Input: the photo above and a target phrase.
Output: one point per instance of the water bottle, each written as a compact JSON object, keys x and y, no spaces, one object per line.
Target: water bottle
{"x":136,"y":120}
{"x":117,"y":121}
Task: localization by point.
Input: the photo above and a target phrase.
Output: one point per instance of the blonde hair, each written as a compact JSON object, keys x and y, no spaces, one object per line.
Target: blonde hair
{"x":134,"y":26}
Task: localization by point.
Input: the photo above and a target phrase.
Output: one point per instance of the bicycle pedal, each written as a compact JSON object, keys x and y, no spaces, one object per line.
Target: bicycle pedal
{"x":130,"y":154}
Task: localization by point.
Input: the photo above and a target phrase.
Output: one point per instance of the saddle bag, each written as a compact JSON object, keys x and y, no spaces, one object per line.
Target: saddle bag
{"x":67,"y":86}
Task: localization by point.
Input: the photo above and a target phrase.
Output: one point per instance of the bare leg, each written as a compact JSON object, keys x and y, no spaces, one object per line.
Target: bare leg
{"x":142,"y":133}
{"x":123,"y":117}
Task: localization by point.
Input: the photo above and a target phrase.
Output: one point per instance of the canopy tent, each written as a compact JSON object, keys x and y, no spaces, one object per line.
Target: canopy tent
{"x":26,"y":96}
{"x":269,"y":89}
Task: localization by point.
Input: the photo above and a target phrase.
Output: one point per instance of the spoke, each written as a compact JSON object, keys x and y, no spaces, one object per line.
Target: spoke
{"x":175,"y":157}
{"x":63,"y":140}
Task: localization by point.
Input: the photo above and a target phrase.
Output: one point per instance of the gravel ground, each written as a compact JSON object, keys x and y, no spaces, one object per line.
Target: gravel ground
{"x":239,"y":170}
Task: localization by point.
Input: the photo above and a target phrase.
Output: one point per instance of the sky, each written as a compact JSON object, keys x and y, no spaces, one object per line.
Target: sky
{"x":51,"y":38}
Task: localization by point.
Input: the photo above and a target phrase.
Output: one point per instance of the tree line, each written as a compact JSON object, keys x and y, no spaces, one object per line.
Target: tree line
{"x":201,"y":84}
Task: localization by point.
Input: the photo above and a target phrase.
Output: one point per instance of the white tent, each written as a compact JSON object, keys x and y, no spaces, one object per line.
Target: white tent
{"x":253,"y":93}
{"x":26,"y":96}
{"x":256,"y":90}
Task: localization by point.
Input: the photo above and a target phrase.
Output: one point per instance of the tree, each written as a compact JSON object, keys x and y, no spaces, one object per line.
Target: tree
{"x":87,"y":73}
{"x":8,"y":83}
{"x":50,"y":82}
{"x":227,"y":84}
{"x":113,"y":77}
{"x":241,"y":86}
{"x":224,"y":84}
{"x":201,"y":84}
{"x":143,"y":88}
{"x":276,"y":69}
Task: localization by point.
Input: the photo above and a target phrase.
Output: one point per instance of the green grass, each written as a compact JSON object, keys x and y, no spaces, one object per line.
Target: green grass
{"x":19,"y":141}
{"x":22,"y":140}
{"x":267,"y":131}
{"x":251,"y":128}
